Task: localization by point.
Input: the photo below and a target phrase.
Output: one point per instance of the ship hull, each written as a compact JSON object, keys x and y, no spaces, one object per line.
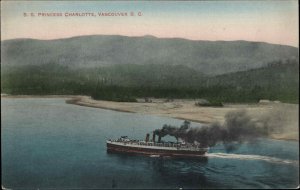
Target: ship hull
{"x":117,"y":148}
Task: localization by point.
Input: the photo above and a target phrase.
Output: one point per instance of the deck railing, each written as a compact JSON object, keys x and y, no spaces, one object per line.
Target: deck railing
{"x":162,"y":144}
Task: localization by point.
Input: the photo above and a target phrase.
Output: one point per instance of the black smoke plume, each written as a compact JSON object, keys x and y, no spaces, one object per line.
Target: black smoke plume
{"x":238,"y":127}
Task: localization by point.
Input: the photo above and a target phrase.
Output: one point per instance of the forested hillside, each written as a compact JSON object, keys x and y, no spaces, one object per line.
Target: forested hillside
{"x":125,"y":82}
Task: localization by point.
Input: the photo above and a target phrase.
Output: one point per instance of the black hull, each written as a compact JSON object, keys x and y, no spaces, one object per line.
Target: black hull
{"x":113,"y":148}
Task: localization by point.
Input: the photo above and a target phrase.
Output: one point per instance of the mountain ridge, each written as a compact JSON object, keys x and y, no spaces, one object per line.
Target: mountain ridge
{"x":210,"y":57}
{"x":147,"y":36}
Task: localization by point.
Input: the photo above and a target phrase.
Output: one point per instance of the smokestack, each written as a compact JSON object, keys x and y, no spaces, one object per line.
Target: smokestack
{"x":159,"y":139}
{"x":153,"y":137}
{"x":147,"y":137}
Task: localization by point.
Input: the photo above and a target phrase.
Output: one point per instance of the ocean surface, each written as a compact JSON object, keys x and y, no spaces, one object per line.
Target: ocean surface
{"x":47,"y":143}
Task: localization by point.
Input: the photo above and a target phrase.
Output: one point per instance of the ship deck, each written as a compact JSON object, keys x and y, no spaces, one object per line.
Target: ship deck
{"x":156,"y":146}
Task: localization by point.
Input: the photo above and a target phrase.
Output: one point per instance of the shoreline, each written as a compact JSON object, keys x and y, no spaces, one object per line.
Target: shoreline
{"x":83,"y":101}
{"x":39,"y":96}
{"x":182,"y":109}
{"x":76,"y":101}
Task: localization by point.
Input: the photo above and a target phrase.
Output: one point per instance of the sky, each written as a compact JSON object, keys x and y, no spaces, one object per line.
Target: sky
{"x":265,"y":21}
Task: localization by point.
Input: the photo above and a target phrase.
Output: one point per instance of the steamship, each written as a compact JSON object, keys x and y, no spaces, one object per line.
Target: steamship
{"x":153,"y":148}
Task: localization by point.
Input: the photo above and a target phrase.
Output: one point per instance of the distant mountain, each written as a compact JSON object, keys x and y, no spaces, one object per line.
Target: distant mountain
{"x":209,"y":57}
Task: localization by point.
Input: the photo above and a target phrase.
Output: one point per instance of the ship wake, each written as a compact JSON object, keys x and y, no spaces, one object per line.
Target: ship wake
{"x":252,"y":157}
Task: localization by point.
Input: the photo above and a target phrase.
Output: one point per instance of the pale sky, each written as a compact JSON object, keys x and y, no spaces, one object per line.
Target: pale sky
{"x":266,"y":21}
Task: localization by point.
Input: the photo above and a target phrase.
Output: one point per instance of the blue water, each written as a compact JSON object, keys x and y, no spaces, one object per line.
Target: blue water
{"x":49,"y":144}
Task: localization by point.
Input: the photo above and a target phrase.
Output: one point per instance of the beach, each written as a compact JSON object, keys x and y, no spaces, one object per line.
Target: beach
{"x":286,"y":115}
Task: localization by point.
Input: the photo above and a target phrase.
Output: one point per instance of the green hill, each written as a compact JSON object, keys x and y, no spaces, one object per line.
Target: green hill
{"x":277,"y":81}
{"x":210,"y":57}
{"x":125,"y":82}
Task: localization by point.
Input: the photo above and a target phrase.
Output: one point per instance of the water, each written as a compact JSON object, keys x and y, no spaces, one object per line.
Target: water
{"x":49,"y":144}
